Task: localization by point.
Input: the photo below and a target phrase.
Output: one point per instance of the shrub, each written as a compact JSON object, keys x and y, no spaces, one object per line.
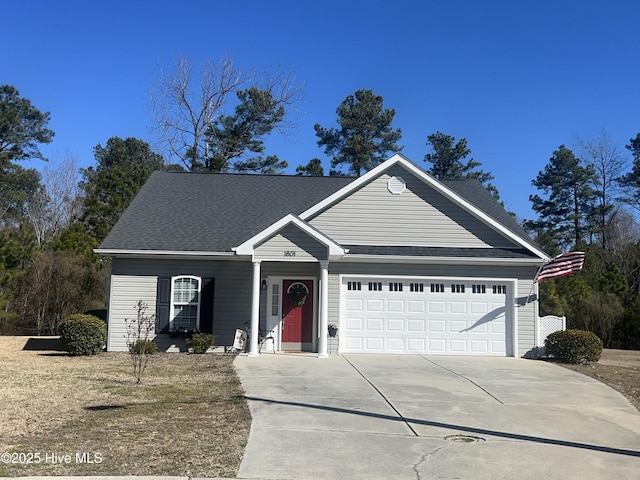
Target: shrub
{"x":574,"y":346}
{"x":200,"y":342}
{"x":140,"y":345}
{"x":83,"y":334}
{"x":143,"y":347}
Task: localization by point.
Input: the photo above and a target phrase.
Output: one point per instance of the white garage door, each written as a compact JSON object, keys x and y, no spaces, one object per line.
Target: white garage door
{"x":399,"y":315}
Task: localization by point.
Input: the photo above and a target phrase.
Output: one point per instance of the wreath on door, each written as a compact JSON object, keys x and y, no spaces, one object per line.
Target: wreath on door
{"x":298,"y":293}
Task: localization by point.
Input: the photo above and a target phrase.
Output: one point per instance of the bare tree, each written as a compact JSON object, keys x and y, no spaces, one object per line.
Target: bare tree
{"x":184,"y":104}
{"x":603,"y":155}
{"x":183,"y":107}
{"x":56,"y":203}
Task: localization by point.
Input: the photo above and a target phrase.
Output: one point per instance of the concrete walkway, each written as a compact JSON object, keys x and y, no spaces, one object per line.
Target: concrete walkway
{"x":419,"y":417}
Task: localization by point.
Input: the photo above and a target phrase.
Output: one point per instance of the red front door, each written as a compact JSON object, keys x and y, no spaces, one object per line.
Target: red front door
{"x":297,"y":314}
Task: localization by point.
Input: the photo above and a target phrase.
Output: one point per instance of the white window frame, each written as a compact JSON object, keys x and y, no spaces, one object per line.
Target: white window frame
{"x":191,"y":303}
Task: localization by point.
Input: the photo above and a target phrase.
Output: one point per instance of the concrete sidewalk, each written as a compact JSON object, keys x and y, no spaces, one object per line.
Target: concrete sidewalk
{"x":374,"y":416}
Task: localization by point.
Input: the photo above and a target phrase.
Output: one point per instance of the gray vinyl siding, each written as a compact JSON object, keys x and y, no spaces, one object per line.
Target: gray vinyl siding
{"x":298,"y":245}
{"x":232,"y":294}
{"x":525,"y":314}
{"x":126,"y":291}
{"x":420,"y":216}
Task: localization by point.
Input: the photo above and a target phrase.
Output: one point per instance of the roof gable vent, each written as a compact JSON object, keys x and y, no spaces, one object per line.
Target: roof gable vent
{"x":396,"y":185}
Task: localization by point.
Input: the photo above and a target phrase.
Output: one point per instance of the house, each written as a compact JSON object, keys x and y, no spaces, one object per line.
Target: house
{"x":401,"y":262}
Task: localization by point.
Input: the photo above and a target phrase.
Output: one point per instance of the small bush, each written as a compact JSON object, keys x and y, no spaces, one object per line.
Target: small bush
{"x":200,"y":342}
{"x":574,"y":346}
{"x":143,"y":347}
{"x":83,"y":334}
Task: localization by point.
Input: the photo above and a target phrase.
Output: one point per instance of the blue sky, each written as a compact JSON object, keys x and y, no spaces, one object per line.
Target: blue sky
{"x":516,"y":79}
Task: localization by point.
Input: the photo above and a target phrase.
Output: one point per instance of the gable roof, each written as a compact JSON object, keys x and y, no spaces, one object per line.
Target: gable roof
{"x":334,"y":250}
{"x":469,"y":194}
{"x":206,"y":213}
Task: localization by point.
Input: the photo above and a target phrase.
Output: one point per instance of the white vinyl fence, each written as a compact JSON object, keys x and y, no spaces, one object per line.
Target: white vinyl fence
{"x":547,"y":325}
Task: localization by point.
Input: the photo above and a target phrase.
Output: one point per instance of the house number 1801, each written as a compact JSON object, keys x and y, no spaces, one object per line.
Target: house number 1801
{"x":289,"y":253}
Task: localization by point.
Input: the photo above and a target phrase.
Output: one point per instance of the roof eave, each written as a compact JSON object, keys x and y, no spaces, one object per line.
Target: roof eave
{"x":424,"y":259}
{"x":112,"y":252}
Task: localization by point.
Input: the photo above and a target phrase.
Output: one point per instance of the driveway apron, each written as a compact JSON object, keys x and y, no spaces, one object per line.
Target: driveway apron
{"x":432,"y":417}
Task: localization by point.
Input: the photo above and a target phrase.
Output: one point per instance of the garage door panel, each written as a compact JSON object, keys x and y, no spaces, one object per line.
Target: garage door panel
{"x":354,"y":305}
{"x":439,"y":306}
{"x":375,"y":305}
{"x":353,"y":344}
{"x":457,"y":307}
{"x":374,"y":344}
{"x":498,"y":328}
{"x":395,"y":306}
{"x":479,"y":346}
{"x":437,"y":326}
{"x":395,"y":345}
{"x":479,"y":307}
{"x":437,"y":345}
{"x":417,"y":345}
{"x":374,"y":324}
{"x":353,"y":324}
{"x":498,"y":346}
{"x":390,"y":320}
{"x":395,"y":325}
{"x":417,"y":325}
{"x":458,"y":346}
{"x":457,"y":326}
{"x":415,"y":306}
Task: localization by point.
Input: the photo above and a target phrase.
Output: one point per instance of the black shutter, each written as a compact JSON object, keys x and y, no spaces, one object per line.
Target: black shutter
{"x":206,"y":305}
{"x":163,"y":305}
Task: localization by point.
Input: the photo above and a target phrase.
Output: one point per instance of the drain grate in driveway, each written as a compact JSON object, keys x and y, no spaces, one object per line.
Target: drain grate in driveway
{"x":463,"y":438}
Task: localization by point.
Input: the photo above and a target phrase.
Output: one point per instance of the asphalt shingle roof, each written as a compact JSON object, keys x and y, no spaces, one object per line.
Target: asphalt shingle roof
{"x":202,"y":212}
{"x":212,"y":212}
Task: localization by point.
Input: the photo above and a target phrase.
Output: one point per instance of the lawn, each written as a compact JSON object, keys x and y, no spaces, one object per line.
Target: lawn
{"x":63,"y":415}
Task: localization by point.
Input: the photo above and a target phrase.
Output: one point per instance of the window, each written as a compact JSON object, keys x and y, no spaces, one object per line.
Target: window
{"x":457,"y":288}
{"x":416,"y":287}
{"x":185,"y":302}
{"x":437,"y":288}
{"x":275,"y":300}
{"x":478,"y":288}
{"x":375,"y":286}
{"x":395,"y":286}
{"x":354,"y":285}
{"x":500,"y":289}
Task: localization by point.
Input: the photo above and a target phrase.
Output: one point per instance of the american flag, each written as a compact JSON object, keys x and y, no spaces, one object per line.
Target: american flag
{"x":564,"y":264}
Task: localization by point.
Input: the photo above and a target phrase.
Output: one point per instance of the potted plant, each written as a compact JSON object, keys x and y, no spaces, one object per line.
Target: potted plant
{"x":333,"y":329}
{"x":175,"y":332}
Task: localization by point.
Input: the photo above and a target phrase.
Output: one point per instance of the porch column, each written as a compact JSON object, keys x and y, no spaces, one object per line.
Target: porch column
{"x":255,"y":311}
{"x":324,"y":307}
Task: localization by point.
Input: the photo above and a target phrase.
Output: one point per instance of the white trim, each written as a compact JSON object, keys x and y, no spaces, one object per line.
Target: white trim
{"x":164,"y":253}
{"x":399,"y":159}
{"x":247,"y":247}
{"x":279,"y":279}
{"x":255,"y":310}
{"x":324,"y":309}
{"x":172,"y":302}
{"x":441,"y":260}
{"x":514,"y":326}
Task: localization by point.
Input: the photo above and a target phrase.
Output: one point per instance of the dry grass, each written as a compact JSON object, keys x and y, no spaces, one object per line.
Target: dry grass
{"x":187,"y":418}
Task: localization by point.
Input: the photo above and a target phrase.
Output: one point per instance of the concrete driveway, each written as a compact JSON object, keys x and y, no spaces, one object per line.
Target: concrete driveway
{"x":424,"y":417}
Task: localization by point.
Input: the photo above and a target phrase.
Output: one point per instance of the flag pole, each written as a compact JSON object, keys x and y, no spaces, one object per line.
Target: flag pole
{"x":535,"y":279}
